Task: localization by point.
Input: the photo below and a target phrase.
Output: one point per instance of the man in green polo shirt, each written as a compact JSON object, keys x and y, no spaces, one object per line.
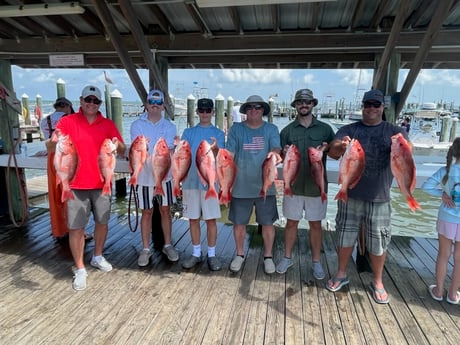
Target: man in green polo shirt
{"x":304,"y":132}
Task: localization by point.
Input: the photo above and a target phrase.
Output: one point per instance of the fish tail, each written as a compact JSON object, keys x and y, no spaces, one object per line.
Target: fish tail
{"x":224,"y":198}
{"x":158,"y":189}
{"x":288,"y":191}
{"x":176,"y":189}
{"x":413,"y":204}
{"x":106,"y":190}
{"x":342,"y":195}
{"x":133,"y":180}
{"x":211,"y":193}
{"x":66,"y":195}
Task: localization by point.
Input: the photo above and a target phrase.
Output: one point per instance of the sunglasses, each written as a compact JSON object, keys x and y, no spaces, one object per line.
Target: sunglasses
{"x":93,"y":100}
{"x":205,"y":110}
{"x":302,"y":101}
{"x":254,"y":106}
{"x":155,"y":102}
{"x":62,"y":105}
{"x":372,"y":104}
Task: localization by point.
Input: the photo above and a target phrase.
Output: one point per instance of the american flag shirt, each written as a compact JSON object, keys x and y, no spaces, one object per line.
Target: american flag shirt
{"x":250,"y":147}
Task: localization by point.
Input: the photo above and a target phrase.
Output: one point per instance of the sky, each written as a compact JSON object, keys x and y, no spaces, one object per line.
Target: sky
{"x":328,"y":86}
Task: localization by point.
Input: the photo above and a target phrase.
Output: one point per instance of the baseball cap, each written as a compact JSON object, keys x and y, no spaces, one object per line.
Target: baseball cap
{"x":60,"y":101}
{"x":92,"y":90}
{"x":156,"y":95}
{"x":205,"y":103}
{"x":373,"y":95}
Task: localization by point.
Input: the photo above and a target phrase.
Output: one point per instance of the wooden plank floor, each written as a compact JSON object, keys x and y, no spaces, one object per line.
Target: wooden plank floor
{"x":165,"y":304}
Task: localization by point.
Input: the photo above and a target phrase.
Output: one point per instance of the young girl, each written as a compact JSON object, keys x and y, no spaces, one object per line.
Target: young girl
{"x":448,"y":223}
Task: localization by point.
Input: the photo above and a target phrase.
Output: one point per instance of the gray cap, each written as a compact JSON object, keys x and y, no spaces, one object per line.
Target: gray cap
{"x":304,"y":95}
{"x":255,"y":99}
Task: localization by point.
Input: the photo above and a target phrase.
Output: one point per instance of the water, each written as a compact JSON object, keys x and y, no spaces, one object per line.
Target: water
{"x":404,"y":222}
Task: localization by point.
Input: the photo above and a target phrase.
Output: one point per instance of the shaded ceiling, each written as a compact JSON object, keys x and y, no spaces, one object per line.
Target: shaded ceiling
{"x":164,"y":34}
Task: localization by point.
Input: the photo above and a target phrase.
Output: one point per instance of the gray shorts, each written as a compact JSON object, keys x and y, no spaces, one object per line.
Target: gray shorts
{"x":374,"y":216}
{"x":241,"y":210}
{"x":85,"y":202}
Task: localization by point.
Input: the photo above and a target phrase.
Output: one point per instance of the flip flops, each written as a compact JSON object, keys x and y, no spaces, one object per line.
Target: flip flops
{"x":433,"y":296}
{"x":457,"y":301}
{"x":342,"y":282}
{"x":374,"y":290}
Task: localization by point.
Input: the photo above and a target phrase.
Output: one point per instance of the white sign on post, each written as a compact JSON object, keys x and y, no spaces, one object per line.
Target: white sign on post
{"x":67,"y":60}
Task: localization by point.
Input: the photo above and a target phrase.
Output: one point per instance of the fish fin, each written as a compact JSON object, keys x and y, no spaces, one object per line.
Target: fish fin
{"x":176,"y":190}
{"x":158,"y":190}
{"x":288,"y":191}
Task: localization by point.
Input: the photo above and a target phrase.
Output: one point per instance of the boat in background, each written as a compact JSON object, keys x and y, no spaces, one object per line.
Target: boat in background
{"x":426,"y":129}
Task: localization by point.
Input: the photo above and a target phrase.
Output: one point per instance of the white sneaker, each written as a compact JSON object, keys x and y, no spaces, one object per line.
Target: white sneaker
{"x":144,"y":257}
{"x":102,"y":264}
{"x":269,"y":266}
{"x":79,"y":280}
{"x":236,"y":263}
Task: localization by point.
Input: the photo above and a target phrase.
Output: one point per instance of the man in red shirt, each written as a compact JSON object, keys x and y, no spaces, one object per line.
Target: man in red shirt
{"x":87,"y":129}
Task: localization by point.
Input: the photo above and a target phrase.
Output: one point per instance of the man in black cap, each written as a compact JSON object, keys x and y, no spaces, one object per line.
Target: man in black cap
{"x":307,"y":199}
{"x":368,"y":205}
{"x":194,"y":201}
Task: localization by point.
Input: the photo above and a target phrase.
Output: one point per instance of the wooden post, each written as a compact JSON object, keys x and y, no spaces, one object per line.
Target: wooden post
{"x":190,"y":111}
{"x":271,"y":102}
{"x":444,"y":128}
{"x":229,"y":112}
{"x":108,"y":103}
{"x":117,"y":109}
{"x":9,"y":129}
{"x":453,"y":129}
{"x":60,"y":88}
{"x":25,"y":109}
{"x":219,"y":111}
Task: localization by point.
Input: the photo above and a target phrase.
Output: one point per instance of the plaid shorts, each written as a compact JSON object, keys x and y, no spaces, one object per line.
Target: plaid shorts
{"x":375,"y":217}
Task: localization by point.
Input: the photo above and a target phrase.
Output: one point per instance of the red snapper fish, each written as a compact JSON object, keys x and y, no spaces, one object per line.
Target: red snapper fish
{"x":226,"y":174}
{"x":291,"y":166}
{"x":180,"y":165}
{"x":161,"y":163}
{"x":269,"y":173}
{"x":138,"y":153}
{"x":403,"y":168}
{"x":107,"y":160}
{"x":65,"y":163}
{"x":206,"y":166}
{"x":317,"y":169}
{"x":351,"y":168}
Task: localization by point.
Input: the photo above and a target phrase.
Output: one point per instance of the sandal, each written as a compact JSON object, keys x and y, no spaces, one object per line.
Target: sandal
{"x":433,"y":296}
{"x":342,"y":282}
{"x":457,"y":301}
{"x":381,"y":291}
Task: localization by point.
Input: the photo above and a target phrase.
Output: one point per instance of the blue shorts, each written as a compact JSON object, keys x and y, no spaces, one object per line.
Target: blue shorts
{"x":374,"y":216}
{"x":85,"y":202}
{"x":241,"y":210}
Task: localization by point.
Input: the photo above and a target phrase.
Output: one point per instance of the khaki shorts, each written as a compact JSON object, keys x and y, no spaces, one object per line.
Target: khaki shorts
{"x":87,"y":201}
{"x":195,"y":205}
{"x":374,"y":216}
{"x":294,"y":207}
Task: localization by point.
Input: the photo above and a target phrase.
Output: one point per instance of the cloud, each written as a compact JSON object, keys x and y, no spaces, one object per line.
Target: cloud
{"x":360,"y":78}
{"x":257,"y":76}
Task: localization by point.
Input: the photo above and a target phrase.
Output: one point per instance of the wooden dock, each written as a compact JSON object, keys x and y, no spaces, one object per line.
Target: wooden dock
{"x":165,"y":304}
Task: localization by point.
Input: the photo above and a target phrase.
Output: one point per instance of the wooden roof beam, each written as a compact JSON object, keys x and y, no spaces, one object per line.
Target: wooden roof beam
{"x":106,"y":18}
{"x":439,"y":16}
{"x":236,"y":20}
{"x":380,"y":73}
